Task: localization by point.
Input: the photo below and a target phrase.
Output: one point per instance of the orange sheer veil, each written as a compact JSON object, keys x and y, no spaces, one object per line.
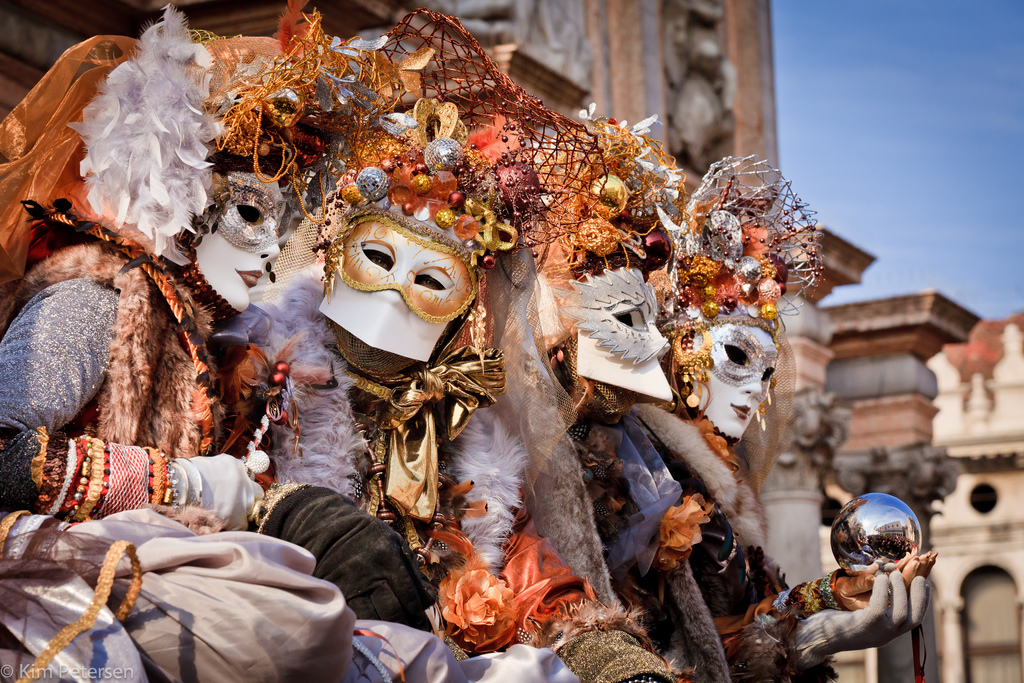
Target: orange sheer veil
{"x":39,"y":153}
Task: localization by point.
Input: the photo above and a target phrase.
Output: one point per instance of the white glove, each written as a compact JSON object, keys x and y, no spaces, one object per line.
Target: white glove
{"x":831,"y":631}
{"x":220,"y":484}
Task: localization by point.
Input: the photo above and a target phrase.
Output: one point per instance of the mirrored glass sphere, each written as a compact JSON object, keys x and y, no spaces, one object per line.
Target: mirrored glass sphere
{"x":874,"y":527}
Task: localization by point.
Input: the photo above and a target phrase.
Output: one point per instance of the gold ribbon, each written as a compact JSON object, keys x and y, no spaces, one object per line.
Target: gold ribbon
{"x":448,"y":391}
{"x":494,"y":235}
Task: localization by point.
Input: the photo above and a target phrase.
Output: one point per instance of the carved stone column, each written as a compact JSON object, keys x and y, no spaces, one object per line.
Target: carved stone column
{"x":792,"y":493}
{"x":952,"y":639}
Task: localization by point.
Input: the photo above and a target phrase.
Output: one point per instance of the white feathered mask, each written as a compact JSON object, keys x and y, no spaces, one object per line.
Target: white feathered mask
{"x":146,"y":137}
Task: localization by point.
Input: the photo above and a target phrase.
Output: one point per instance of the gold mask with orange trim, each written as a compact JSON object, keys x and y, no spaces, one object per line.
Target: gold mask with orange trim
{"x":379,"y":254}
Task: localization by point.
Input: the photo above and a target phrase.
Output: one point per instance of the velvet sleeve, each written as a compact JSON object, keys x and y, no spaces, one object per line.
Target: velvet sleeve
{"x":360,"y":554}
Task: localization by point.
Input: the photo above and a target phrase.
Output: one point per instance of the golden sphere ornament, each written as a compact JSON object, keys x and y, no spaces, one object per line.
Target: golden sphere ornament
{"x":613,"y":193}
{"x":707,"y":292}
{"x":350,"y":194}
{"x":709,"y":309}
{"x":445,"y":218}
{"x":422,"y":183}
{"x":769,"y":312}
{"x":284,"y":107}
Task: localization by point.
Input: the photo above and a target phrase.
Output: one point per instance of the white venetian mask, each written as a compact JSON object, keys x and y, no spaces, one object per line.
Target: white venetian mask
{"x":744,"y":360}
{"x":619,"y":343}
{"x":234,"y":255}
{"x":396,"y":290}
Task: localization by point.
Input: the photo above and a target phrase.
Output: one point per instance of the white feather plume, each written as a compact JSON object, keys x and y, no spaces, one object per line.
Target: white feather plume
{"x":146,"y":135}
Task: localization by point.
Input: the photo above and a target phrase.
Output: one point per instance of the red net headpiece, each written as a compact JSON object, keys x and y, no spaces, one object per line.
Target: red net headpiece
{"x":515,"y":126}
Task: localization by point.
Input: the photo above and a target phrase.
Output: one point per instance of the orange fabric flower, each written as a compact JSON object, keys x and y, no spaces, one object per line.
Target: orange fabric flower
{"x":718,"y":445}
{"x":680,"y":531}
{"x":477,"y":607}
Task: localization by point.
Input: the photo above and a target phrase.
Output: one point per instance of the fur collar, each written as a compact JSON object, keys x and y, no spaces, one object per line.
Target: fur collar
{"x":146,"y":398}
{"x":736,"y":498}
{"x":330,"y":445}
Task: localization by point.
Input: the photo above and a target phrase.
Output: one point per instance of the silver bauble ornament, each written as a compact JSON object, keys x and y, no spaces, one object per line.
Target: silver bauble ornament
{"x":442,"y":154}
{"x":749,"y":268}
{"x":372,"y":183}
{"x":723,"y":236}
{"x":875,"y":527}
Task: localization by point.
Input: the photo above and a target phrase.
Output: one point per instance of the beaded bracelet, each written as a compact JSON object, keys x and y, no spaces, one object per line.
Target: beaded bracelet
{"x":814,"y":596}
{"x":90,"y":485}
{"x":172,"y":493}
{"x":825,"y":588}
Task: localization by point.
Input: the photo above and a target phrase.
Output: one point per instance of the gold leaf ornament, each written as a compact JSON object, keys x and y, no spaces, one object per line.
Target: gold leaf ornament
{"x":405,"y":72}
{"x":493,"y":235}
{"x":437,"y":120}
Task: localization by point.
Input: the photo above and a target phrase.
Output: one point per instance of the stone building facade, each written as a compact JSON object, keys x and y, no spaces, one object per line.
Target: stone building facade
{"x":704,"y":66}
{"x":980,"y":532}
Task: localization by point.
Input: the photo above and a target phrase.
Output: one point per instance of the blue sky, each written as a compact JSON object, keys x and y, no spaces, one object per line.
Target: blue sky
{"x":902,"y":123}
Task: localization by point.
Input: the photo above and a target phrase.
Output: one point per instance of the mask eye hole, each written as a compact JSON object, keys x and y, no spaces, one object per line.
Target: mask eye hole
{"x":378,"y":254}
{"x":250,"y":214}
{"x":737,"y":355}
{"x":434,"y":279}
{"x":767,"y":376}
{"x":630,"y":318}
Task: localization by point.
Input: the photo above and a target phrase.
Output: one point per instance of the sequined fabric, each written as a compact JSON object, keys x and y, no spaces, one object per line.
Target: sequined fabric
{"x":611,"y":657}
{"x":53,"y":358}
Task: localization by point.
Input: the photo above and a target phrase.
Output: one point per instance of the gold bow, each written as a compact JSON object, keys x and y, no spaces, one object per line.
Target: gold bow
{"x":494,"y":235}
{"x":449,"y":391}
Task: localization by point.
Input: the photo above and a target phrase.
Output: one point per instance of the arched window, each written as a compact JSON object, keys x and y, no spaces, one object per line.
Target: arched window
{"x":991,"y":624}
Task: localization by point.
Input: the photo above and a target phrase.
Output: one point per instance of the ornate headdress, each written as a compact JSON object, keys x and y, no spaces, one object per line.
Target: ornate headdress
{"x":602,"y":266}
{"x":749,"y":246}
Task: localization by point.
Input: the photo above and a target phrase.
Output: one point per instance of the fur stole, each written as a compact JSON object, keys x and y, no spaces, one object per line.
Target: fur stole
{"x":735,"y":497}
{"x":146,"y":398}
{"x":564,"y":512}
{"x":330,"y":448}
{"x":328,"y":445}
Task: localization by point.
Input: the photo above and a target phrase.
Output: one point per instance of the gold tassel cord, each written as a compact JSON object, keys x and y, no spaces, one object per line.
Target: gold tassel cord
{"x":104,"y":585}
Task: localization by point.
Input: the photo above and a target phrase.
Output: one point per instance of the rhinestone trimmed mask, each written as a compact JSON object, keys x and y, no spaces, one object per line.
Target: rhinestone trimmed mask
{"x":250,"y":217}
{"x":741,"y":356}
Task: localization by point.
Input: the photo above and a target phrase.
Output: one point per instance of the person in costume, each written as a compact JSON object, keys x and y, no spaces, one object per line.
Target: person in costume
{"x":597,"y":314}
{"x":673,"y":507}
{"x":390,"y":374}
{"x":133,"y":257}
{"x":133,"y":264}
{"x":749,"y":246}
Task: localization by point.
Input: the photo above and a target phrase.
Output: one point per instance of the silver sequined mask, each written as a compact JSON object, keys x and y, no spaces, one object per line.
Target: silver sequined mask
{"x":249,"y":220}
{"x":741,"y":357}
{"x":618,"y":309}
